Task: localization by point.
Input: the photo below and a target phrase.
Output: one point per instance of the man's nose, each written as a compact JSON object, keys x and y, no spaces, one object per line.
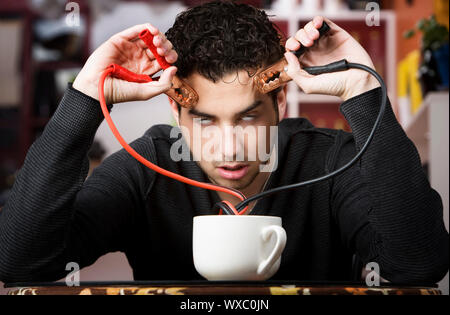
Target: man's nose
{"x":230,"y":145}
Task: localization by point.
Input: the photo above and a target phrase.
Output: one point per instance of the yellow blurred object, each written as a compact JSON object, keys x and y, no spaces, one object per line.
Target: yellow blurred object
{"x":408,"y":83}
{"x":441,"y":11}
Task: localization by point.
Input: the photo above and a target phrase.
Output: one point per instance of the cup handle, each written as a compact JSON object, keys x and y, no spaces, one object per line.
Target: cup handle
{"x":266,"y":264}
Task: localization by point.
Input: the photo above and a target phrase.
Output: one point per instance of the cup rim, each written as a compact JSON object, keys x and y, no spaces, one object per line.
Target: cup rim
{"x":237,"y":216}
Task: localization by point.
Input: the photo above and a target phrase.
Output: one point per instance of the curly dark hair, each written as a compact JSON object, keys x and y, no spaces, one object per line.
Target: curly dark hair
{"x":219,"y":37}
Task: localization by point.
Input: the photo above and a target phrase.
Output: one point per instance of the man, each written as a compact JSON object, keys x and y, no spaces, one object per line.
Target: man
{"x":381,"y":210}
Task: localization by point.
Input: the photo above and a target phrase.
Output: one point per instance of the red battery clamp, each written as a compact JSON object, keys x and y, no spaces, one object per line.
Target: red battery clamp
{"x":180,"y":92}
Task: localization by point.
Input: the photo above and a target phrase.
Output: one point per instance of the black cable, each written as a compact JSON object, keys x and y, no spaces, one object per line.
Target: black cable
{"x":334,"y":67}
{"x":224,"y":207}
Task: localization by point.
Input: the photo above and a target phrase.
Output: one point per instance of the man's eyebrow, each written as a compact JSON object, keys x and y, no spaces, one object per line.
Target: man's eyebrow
{"x":255,"y":104}
{"x":195,"y":112}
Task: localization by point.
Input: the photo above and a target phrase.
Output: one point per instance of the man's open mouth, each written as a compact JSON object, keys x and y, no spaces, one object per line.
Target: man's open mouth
{"x":233,"y":172}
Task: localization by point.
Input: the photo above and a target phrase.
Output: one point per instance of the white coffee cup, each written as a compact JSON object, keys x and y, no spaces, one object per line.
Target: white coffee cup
{"x":237,"y":247}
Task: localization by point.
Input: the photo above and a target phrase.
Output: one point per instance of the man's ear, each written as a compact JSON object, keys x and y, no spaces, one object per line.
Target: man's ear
{"x":282,"y":103}
{"x":175,"y":112}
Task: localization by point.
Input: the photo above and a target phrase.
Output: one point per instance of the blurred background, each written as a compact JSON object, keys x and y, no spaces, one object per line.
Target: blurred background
{"x":44,"y":44}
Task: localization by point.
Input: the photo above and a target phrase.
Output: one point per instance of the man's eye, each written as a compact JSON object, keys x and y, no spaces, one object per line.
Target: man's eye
{"x":248,"y":118}
{"x":204,"y":121}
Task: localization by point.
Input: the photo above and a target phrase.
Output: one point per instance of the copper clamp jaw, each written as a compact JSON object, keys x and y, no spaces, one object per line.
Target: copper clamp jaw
{"x":274,"y":76}
{"x":182,"y":93}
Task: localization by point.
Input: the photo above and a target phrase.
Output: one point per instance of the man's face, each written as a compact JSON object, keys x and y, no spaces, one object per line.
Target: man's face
{"x":229,"y":128}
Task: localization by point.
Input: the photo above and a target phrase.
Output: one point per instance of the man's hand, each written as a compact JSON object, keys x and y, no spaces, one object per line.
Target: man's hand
{"x":337,"y":45}
{"x":128,"y":51}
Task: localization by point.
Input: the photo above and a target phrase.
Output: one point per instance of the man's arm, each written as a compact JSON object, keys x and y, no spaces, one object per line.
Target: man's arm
{"x":385,"y":208}
{"x":52,"y":217}
{"x":37,"y":215}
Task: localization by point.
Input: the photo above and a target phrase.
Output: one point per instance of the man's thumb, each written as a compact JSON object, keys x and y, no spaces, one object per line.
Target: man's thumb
{"x":295,"y":71}
{"x":294,"y":65}
{"x":162,"y":85}
{"x":167,"y":76}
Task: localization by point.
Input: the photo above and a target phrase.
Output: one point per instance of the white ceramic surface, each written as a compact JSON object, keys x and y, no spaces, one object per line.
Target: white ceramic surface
{"x":237,"y":248}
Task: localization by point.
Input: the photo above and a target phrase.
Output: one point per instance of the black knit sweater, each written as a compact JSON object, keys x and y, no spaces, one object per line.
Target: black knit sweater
{"x":381,"y":210}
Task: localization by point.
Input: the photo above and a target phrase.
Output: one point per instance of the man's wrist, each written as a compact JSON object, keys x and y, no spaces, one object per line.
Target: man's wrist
{"x":365,"y":84}
{"x":84,"y":86}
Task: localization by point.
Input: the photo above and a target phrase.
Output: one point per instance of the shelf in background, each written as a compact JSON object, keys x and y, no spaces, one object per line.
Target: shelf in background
{"x":300,"y":14}
{"x":29,"y":121}
{"x":423,"y":125}
{"x":429,"y":130}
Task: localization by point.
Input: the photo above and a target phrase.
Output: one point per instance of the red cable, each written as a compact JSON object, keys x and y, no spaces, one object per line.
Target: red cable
{"x":147,"y":38}
{"x":124,"y":74}
{"x":232,"y":207}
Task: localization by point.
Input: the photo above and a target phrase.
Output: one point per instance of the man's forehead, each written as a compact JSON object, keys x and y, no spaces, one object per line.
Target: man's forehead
{"x":210,"y":112}
{"x":237,"y":88}
{"x":242,"y":77}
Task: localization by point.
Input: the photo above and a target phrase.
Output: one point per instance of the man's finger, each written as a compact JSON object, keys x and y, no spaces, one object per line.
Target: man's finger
{"x":143,"y":46}
{"x":162,"y":44}
{"x":168,"y":45}
{"x":295,"y":71}
{"x":318,"y":21}
{"x":154,"y":88}
{"x":167,"y":76}
{"x":293,"y":65}
{"x":292,"y":44}
{"x":311,"y":31}
{"x":303,"y":38}
{"x":149,"y":54}
{"x":171,"y":57}
{"x":159,"y":39}
{"x":334,"y":28}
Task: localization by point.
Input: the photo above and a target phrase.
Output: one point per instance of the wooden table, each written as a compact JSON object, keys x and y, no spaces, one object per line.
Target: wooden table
{"x":214,"y":288}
